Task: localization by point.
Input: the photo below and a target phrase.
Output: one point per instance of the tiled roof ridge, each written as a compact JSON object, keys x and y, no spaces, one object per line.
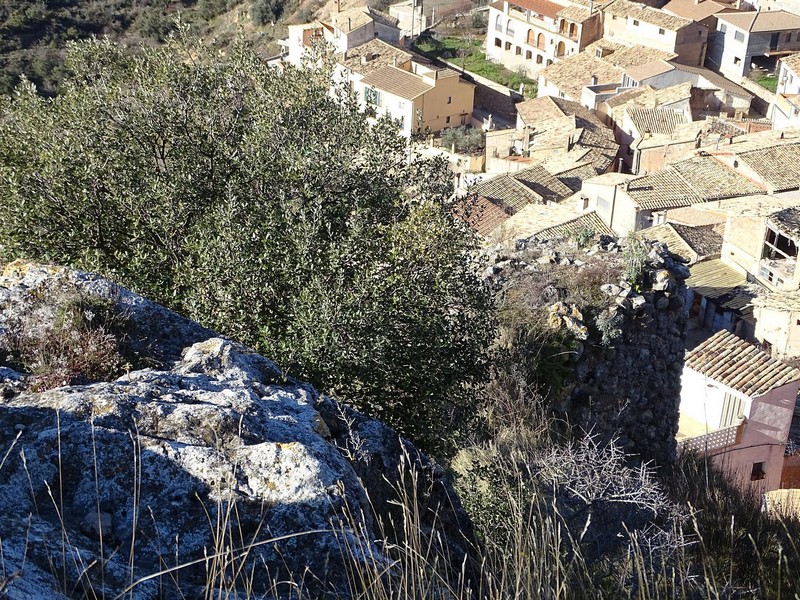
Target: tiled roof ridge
{"x":517,"y":183}
{"x":739,"y":365}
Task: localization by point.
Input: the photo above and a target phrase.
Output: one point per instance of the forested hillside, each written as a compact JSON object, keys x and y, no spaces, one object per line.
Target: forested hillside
{"x":34,"y":33}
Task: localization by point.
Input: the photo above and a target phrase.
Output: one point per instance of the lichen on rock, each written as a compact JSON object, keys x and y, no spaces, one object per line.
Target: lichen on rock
{"x":209,"y":449}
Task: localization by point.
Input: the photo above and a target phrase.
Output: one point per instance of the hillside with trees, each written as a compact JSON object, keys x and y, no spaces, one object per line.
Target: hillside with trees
{"x":34,"y":33}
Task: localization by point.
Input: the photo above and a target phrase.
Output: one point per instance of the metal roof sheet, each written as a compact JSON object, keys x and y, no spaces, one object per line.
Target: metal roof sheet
{"x":713,"y":278}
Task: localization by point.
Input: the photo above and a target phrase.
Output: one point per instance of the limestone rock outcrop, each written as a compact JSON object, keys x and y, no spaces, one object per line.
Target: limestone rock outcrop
{"x":208,"y":467}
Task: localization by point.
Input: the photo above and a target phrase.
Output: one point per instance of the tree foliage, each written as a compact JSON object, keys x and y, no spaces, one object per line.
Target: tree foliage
{"x":256,"y":202}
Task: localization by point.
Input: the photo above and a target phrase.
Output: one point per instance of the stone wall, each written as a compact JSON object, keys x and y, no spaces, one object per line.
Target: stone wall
{"x":626,"y":355}
{"x":631,"y":387}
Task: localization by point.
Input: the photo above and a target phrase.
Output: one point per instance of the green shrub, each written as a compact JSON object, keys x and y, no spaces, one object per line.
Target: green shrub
{"x":201,"y":185}
{"x":467,"y":140}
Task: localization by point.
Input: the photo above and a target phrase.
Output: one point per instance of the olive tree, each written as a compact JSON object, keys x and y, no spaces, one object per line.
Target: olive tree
{"x":263,"y":205}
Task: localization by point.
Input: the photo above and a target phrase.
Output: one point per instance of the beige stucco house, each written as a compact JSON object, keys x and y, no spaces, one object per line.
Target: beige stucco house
{"x":637,"y":25}
{"x":342,"y":31}
{"x":532,"y":34}
{"x":419,"y":95}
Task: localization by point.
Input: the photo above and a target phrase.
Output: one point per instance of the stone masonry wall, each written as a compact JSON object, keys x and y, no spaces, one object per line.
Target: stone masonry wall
{"x":628,"y":350}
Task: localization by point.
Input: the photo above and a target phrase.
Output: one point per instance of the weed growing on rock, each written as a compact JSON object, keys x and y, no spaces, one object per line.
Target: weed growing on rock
{"x":75,"y":338}
{"x":634,"y":258}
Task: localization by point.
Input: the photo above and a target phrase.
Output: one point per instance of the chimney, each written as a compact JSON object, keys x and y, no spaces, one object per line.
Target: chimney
{"x":338,"y":6}
{"x":696,"y":2}
{"x":594,"y":79}
{"x":591,"y":7}
{"x":348,"y":24}
{"x":394,"y":60}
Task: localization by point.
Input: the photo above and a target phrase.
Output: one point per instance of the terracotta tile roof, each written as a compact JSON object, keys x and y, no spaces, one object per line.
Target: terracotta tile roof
{"x":689,"y":243}
{"x":576,"y":14}
{"x":571,"y":74}
{"x":579,"y":224}
{"x":762,"y":21}
{"x":662,"y":189}
{"x":676,"y":96}
{"x":383,"y":18}
{"x":628,"y":96}
{"x":667,"y":234}
{"x":714,"y":279}
{"x":565,"y":133}
{"x":535,"y":218}
{"x":757,"y":205}
{"x":760,"y":140}
{"x":793,"y":62}
{"x":787,"y":221}
{"x":696,"y":11}
{"x":714,"y":79}
{"x":733,"y":362}
{"x":544,"y":183}
{"x":776,"y":165}
{"x":695,"y":217}
{"x":480,"y":214}
{"x":352,"y":19}
{"x":506,"y":192}
{"x":634,"y":10}
{"x":540,"y":7}
{"x":539,"y":109}
{"x":710,"y":179}
{"x":631,"y":56}
{"x":574,"y":176}
{"x":696,"y":179}
{"x":397,"y":82}
{"x":655,"y":120}
{"x":651,"y":69}
{"x":704,"y":241}
{"x":778,"y":300}
{"x":378,"y":53}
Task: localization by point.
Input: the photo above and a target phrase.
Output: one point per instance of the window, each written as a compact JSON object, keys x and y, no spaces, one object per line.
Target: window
{"x":449,"y":99}
{"x":739,"y":36}
{"x":788,"y":37}
{"x":660,"y":31}
{"x":531,"y":38}
{"x":508,"y":46}
{"x":372,"y":96}
{"x":538,"y":59}
{"x":447,"y":120}
{"x":518,"y":51}
{"x":510,"y":27}
{"x":540,"y":41}
{"x":635,"y":23}
{"x":528,"y":55}
{"x":498,"y":23}
{"x":737,"y":60}
{"x":613,"y":17}
{"x":758,"y":473}
{"x":498,"y":42}
{"x":722,"y":27}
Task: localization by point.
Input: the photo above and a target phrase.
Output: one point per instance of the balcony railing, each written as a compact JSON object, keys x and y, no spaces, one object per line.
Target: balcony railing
{"x":714,"y":441}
